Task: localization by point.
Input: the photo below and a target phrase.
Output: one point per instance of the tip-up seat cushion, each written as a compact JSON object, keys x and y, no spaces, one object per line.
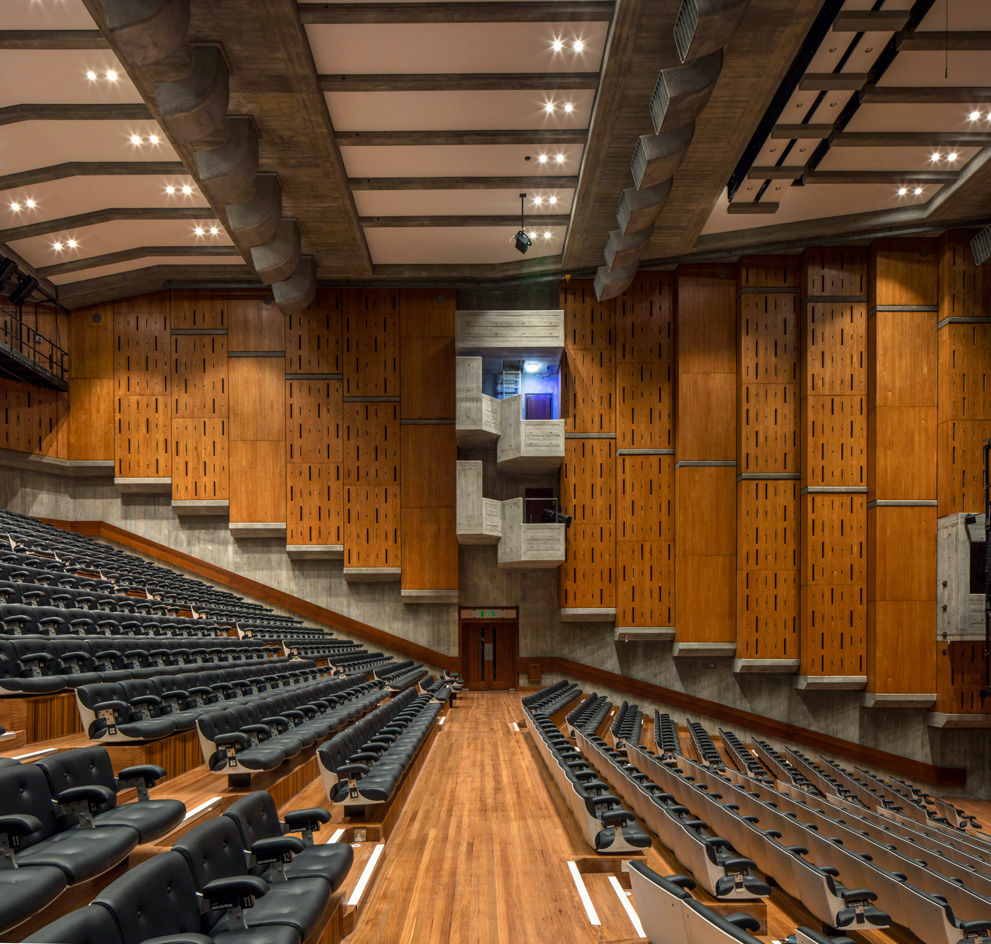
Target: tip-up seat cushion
{"x":89,"y":925}
{"x":151,"y":819}
{"x":26,"y":891}
{"x":81,"y":853}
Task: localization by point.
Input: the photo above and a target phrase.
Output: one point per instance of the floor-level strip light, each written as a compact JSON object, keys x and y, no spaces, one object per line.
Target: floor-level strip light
{"x":624,"y":900}
{"x":366,"y":876}
{"x":593,"y":917}
{"x":336,"y":837}
{"x":47,"y":750}
{"x":516,"y":727}
{"x":7,"y":735}
{"x":196,"y":810}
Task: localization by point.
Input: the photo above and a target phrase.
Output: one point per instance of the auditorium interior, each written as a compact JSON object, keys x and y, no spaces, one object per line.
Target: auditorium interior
{"x":485,"y":471}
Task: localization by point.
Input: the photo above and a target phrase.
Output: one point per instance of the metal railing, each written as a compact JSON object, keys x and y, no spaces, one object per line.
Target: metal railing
{"x":21,"y":337}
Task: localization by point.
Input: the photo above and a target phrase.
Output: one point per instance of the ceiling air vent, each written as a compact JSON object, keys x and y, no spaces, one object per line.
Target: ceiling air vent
{"x":659,"y":101}
{"x":703,"y":26}
{"x":685,"y":26}
{"x":980,"y":246}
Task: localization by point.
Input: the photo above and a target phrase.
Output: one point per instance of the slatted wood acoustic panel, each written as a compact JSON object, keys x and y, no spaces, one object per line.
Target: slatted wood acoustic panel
{"x":963,"y":426}
{"x":91,"y":384}
{"x":428,"y":447}
{"x":371,"y":345}
{"x":705,"y":466}
{"x":768,"y":476}
{"x":200,"y":458}
{"x":586,"y":579}
{"x":644,"y":493}
{"x":314,"y":364}
{"x":833,"y":527}
{"x":143,"y":402}
{"x":256,"y":368}
{"x":903,"y":314}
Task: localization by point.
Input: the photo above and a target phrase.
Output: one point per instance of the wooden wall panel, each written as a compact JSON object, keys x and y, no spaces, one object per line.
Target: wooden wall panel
{"x":315,"y":337}
{"x":35,"y":420}
{"x":705,"y":306}
{"x":253,"y":325}
{"x":589,"y":325}
{"x":199,"y":309}
{"x":834,"y":631}
{"x":430,"y":549}
{"x":256,"y":407}
{"x":142,"y":358}
{"x":767,"y":612}
{"x":644,"y":583}
{"x":834,"y":441}
{"x":960,"y":678}
{"x":768,"y":429}
{"x":588,"y":572}
{"x":833,"y":534}
{"x":644,"y":406}
{"x":644,"y":499}
{"x":834,"y":272}
{"x":645,"y":321}
{"x":199,"y":459}
{"x":314,"y":503}
{"x":588,"y":480}
{"x":199,"y":375}
{"x":142,"y":437}
{"x":767,"y":525}
{"x":91,"y":419}
{"x":371,"y":343}
{"x":91,"y":348}
{"x":371,"y":444}
{"x":902,"y":272}
{"x":427,"y":386}
{"x":371,"y":526}
{"x":429,"y":463}
{"x":314,"y":421}
{"x":835,"y":349}
{"x":257,"y":480}
{"x":588,"y":390}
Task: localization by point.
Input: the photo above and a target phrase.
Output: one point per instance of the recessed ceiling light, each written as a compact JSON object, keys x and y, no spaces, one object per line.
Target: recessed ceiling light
{"x":974,"y":115}
{"x":91,"y":75}
{"x":568,"y":107}
{"x":537,"y":201}
{"x":902,"y":191}
{"x":153,"y":139}
{"x":186,"y":189}
{"x":72,"y":244}
{"x":557,"y":45}
{"x":111,"y":75}
{"x":30,"y":204}
{"x":578,"y":45}
{"x":548,"y":107}
{"x":935,"y":156}
{"x":952,"y":156}
{"x":135,"y":139}
{"x":917,"y":191}
{"x":15,"y":206}
{"x":542,"y":159}
{"x":547,"y":234}
{"x":559,"y":158}
{"x":57,"y":246}
{"x":198,"y":230}
{"x":552,"y":200}
{"x":169,"y":189}
{"x":214,"y":230}
{"x":533,"y":235}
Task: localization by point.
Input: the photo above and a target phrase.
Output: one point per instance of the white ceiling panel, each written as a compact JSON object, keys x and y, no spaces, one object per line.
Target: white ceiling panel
{"x":895,"y":158}
{"x":917,"y":118}
{"x":70,"y":196}
{"x":143,"y":263}
{"x":46,"y":14}
{"x":964,"y":15}
{"x":932,"y":69}
{"x":44,"y":76}
{"x":459,"y":202}
{"x":814,"y":201}
{"x":482,"y":160}
{"x":456,"y":245}
{"x":398,"y":48}
{"x":30,"y":144}
{"x":115,"y":236}
{"x":450,"y":111}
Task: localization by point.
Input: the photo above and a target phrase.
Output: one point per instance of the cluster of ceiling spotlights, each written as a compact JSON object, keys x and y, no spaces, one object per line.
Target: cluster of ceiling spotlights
{"x":539,"y":201}
{"x":137,"y":139}
{"x":111,"y":75}
{"x":171,"y":189}
{"x":28,"y":204}
{"x":211,"y":230}
{"x":575,"y":45}
{"x":545,"y":158}
{"x":904,"y":191}
{"x":551,"y":107}
{"x":69,"y":243}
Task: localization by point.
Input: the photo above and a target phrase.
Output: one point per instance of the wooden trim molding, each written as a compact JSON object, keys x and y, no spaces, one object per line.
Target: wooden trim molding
{"x":895,"y":763}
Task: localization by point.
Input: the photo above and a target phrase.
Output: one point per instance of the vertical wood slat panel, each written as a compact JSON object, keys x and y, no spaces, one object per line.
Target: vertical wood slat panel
{"x":34,"y":420}
{"x":314,"y":503}
{"x":199,"y":459}
{"x":315,"y":336}
{"x":371,"y":526}
{"x":833,"y":527}
{"x":371,"y":343}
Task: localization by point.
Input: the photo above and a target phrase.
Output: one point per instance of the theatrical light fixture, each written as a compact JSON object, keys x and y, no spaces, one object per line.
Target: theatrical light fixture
{"x":30,"y":204}
{"x":522,"y":241}
{"x":169,"y":189}
{"x":557,"y":45}
{"x":57,"y":246}
{"x":198,"y":230}
{"x":186,"y":190}
{"x":917,"y":191}
{"x":974,"y":115}
{"x":153,"y":139}
{"x":135,"y":139}
{"x":533,"y":234}
{"x":902,"y":191}
{"x":16,"y":207}
{"x":111,"y":75}
{"x":542,"y":159}
{"x":552,"y":200}
{"x":547,"y":234}
{"x":935,"y":156}
{"x":8,"y":268}
{"x":25,"y":286}
{"x":578,"y":45}
{"x":532,"y":367}
{"x":568,"y":107}
{"x":91,"y":75}
{"x":537,"y":201}
{"x":952,"y":156}
{"x":71,"y":243}
{"x":559,"y":158}
{"x":214,"y":230}
{"x":548,"y":107}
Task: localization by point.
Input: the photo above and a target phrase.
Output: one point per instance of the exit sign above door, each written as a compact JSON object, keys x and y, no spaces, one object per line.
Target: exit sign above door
{"x":504,"y":613}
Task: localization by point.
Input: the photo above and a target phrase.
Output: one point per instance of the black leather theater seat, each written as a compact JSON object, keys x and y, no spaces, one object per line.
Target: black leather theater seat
{"x":87,"y":774}
{"x":23,"y":892}
{"x":263,"y":834}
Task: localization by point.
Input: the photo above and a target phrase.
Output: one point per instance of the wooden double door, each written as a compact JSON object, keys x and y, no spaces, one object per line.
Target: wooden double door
{"x":488,"y":654}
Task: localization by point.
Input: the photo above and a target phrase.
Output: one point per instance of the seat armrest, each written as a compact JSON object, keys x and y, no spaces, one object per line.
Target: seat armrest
{"x":276,"y":849}
{"x":980,"y":925}
{"x":15,"y":825}
{"x":236,"y":738}
{"x":279,"y":722}
{"x":234,"y":891}
{"x":263,"y":730}
{"x":152,"y":700}
{"x":619,"y":817}
{"x":366,"y":756}
{"x":303,"y":820}
{"x":148,"y":774}
{"x":94,"y":794}
{"x":114,"y":705}
{"x":352,"y":771}
{"x":857,"y":894}
{"x":744,"y":922}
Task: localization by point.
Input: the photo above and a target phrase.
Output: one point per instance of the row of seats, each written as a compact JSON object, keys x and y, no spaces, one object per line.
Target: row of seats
{"x":150,"y":708}
{"x":722,"y":870}
{"x":61,"y":824}
{"x":939,"y":909}
{"x":589,"y":714}
{"x":239,"y":878}
{"x":670,"y":915}
{"x":705,"y":746}
{"x":364,"y":764}
{"x":606,"y":825}
{"x":740,"y":756}
{"x":400,"y":681}
{"x":627,"y":725}
{"x":263,"y":733}
{"x":21,"y":620}
{"x":666,"y":734}
{"x":781,"y":767}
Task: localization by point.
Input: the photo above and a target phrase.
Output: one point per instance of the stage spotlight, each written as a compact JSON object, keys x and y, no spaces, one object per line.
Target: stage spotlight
{"x":8,"y":268}
{"x":25,"y":286}
{"x":522,"y":241}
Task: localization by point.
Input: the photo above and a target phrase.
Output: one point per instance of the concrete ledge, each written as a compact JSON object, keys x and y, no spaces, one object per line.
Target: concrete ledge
{"x":940,"y":719}
{"x":258,"y":529}
{"x":897,"y":700}
{"x":834,"y":683}
{"x":315,"y":551}
{"x":76,"y":467}
{"x":212,"y":506}
{"x":745,"y":666}
{"x":429,"y":596}
{"x":149,"y":486}
{"x":643,"y":633}
{"x":373,"y":574}
{"x":587,"y":614}
{"x":699,"y":650}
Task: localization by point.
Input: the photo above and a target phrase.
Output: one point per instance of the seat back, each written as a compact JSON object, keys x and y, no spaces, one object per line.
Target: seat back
{"x":90,"y":925}
{"x":213,"y":850}
{"x":81,"y":767}
{"x":256,"y":817}
{"x":154,"y":899}
{"x":24,"y":790}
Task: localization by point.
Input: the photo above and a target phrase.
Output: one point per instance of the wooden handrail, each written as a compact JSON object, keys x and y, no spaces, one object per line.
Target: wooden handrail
{"x":827,"y":743}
